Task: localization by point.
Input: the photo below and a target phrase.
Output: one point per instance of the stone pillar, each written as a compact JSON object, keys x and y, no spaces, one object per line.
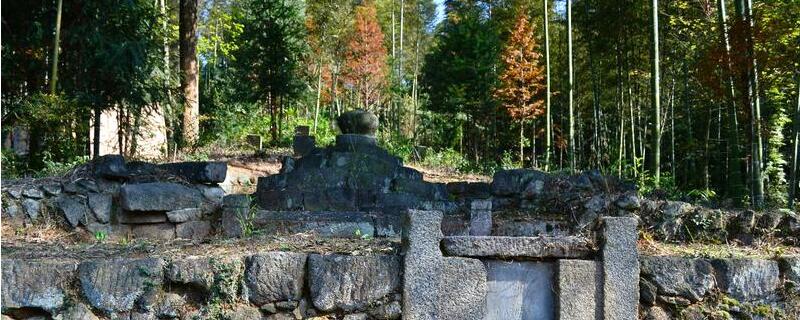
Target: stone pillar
{"x":437,"y":287}
{"x":235,"y":210}
{"x":480,"y":218}
{"x":620,"y":259}
{"x":578,"y":286}
{"x":303,"y":144}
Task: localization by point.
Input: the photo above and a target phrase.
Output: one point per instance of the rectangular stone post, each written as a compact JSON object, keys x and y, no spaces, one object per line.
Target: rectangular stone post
{"x":579,"y":284}
{"x":620,"y":258}
{"x":422,"y":264}
{"x":480,"y":218}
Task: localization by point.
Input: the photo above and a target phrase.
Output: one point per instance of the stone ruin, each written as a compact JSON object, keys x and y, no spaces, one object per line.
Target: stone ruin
{"x":528,"y":245}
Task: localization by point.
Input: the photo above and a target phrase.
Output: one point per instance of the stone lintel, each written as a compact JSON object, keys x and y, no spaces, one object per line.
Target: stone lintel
{"x":518,"y":247}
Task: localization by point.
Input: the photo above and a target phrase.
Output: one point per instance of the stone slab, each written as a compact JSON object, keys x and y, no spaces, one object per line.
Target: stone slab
{"x":275,"y":276}
{"x":578,"y":285}
{"x":351,"y":283}
{"x":159,"y":196}
{"x":748,"y":279}
{"x":517,"y":247}
{"x":36,"y":283}
{"x":677,"y":276}
{"x":156,"y":231}
{"x":620,"y":258}
{"x":519,"y":290}
{"x":194,"y":230}
{"x":114,"y":285}
{"x":325,"y":224}
{"x":198,"y":171}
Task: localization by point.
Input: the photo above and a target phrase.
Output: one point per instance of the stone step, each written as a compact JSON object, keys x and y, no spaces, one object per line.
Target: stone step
{"x":553,"y":247}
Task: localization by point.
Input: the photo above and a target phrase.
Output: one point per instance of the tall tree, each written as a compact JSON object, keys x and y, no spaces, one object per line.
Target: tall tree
{"x":548,"y":126}
{"x":366,"y":58}
{"x":570,"y":87}
{"x":54,"y":72}
{"x":656,"y":99}
{"x":521,"y":86}
{"x":190,"y":77}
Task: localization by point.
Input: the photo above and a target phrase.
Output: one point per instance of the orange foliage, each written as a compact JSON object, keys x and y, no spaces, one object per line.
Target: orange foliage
{"x":522,"y":81}
{"x":365,"y":66}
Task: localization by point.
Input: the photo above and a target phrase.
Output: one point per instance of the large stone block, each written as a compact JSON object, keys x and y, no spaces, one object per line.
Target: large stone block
{"x":159,"y":196}
{"x":676,"y":276}
{"x":578,"y":284}
{"x":217,"y":275}
{"x":620,"y":258}
{"x":74,"y":208}
{"x":351,"y":283}
{"x":114,"y":285}
{"x":747,"y":279}
{"x":357,"y":122}
{"x":790,"y":267}
{"x":458,"y":284}
{"x":517,"y":247}
{"x":509,"y":182}
{"x":35,"y":283}
{"x":275,"y":276}
{"x":461,"y":290}
{"x":519,"y":290}
{"x":199,"y":171}
{"x":100,"y":204}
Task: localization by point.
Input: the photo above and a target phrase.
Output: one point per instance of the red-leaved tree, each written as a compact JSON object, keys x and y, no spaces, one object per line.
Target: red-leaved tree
{"x":365,"y":66}
{"x":522,"y":81}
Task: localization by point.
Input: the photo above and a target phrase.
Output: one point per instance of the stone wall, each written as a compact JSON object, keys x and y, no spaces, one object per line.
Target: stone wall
{"x":110,"y":197}
{"x":741,"y":288}
{"x":271,"y":285}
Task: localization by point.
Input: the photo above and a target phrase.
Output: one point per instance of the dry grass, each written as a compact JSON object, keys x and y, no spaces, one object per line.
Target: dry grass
{"x":765,"y":249}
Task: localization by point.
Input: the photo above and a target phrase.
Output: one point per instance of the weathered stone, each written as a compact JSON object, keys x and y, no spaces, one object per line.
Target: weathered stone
{"x":183,"y":215}
{"x":744,"y":222}
{"x":647,"y":292}
{"x":676,"y":276}
{"x":303,"y":145}
{"x":422,"y":264}
{"x":351,"y":283}
{"x":515,"y":247}
{"x":458,"y":284}
{"x":480,"y":218}
{"x":790,"y":267}
{"x":100,"y":204}
{"x":620,"y":259}
{"x":389,"y":311}
{"x":78,"y":311}
{"x":207,"y":274}
{"x":169,"y":306}
{"x":32,"y":207}
{"x":114,"y":285}
{"x":769,"y":221}
{"x":747,"y":279}
{"x":82,"y":186}
{"x":141,"y":217}
{"x":357,"y":121}
{"x":578,"y":285}
{"x":14,"y":191}
{"x":236,"y":201}
{"x":11,"y":209}
{"x":159,"y":196}
{"x":143,"y":315}
{"x":628,"y":201}
{"x":462,"y":289}
{"x":656,"y":313}
{"x":110,"y":166}
{"x":199,"y":171}
{"x":286,"y":305}
{"x":157,"y":231}
{"x":33,"y":192}
{"x":325,"y":224}
{"x":243,"y":312}
{"x":275,"y":276}
{"x":194,"y":230}
{"x":36,"y":283}
{"x":356,"y":316}
{"x":52,"y":189}
{"x":74,"y":208}
{"x":508,"y":182}
{"x":519,"y":290}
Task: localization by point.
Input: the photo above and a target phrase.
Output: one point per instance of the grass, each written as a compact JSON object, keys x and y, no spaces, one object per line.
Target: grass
{"x":762,"y":250}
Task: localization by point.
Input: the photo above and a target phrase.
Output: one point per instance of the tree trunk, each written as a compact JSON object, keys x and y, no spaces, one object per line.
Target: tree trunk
{"x":746,"y":13}
{"x":548,"y":132}
{"x":96,"y":140}
{"x":796,"y":148}
{"x":319,"y":95}
{"x":189,"y":71}
{"x":655,"y":77}
{"x":54,"y":72}
{"x":570,"y":87}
